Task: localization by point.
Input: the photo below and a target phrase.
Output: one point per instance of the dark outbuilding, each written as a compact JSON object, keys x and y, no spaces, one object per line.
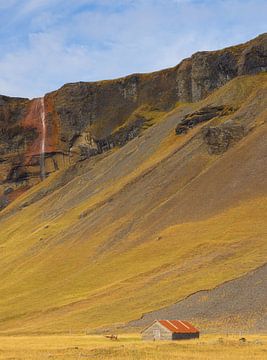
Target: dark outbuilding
{"x":170,"y":330}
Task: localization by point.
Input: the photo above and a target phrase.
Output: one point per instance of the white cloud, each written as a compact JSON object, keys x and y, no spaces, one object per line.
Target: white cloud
{"x":80,"y":42}
{"x":29,"y":71}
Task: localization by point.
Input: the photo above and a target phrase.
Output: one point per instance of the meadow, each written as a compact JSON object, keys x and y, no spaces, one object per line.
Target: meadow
{"x":70,"y":347}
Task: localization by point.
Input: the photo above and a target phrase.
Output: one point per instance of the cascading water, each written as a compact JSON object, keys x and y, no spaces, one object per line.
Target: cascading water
{"x":42,"y":148}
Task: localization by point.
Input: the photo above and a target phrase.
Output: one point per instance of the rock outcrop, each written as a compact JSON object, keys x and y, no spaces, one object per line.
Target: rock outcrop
{"x":220,"y":138}
{"x":205,"y":114}
{"x":84,"y":119}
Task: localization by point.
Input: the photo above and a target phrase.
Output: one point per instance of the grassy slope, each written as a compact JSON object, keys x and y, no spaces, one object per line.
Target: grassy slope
{"x":144,"y":227}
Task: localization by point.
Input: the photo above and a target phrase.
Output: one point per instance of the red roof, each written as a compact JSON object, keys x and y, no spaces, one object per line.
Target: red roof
{"x":178,"y":326}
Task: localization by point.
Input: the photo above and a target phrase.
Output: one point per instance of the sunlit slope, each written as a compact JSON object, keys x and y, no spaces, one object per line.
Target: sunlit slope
{"x":141,"y":227}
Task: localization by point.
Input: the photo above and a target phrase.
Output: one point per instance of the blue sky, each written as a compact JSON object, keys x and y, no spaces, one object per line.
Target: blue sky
{"x":46,"y":43}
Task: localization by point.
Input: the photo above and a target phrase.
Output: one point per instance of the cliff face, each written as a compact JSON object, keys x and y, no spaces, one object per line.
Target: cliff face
{"x":103,"y":106}
{"x":84,"y":119}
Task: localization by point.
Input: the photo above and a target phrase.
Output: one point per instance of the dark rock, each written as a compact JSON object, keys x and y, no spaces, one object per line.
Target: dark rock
{"x":8,"y":191}
{"x":254,"y":57}
{"x":205,"y":114}
{"x":220,"y":138}
{"x":181,"y":129}
{"x":121,"y":136}
{"x":210,"y":70}
{"x":17,"y":174}
{"x":86,"y":152}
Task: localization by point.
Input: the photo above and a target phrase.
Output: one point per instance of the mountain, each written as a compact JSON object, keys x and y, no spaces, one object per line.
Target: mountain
{"x":84,"y":119}
{"x":154,"y":189}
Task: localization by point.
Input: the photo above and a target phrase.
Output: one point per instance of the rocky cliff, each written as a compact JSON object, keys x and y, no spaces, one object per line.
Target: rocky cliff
{"x":85,"y":119}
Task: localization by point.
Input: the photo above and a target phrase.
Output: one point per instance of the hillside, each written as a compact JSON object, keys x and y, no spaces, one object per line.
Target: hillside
{"x":179,"y":208}
{"x":86,"y":119}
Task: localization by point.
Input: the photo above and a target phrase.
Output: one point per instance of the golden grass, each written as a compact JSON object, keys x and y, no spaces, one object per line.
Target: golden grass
{"x":130,"y":347}
{"x":136,"y":274}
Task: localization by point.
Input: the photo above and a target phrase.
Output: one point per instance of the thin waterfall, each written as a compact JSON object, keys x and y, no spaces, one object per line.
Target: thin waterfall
{"x":42,"y":148}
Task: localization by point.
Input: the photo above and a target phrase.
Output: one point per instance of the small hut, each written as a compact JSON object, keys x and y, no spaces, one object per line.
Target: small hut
{"x":170,"y":330}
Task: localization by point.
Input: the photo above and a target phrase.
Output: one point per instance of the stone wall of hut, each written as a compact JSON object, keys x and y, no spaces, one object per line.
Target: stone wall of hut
{"x":149,"y":333}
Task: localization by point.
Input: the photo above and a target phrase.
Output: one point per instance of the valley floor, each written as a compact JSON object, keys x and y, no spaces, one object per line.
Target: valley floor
{"x":131,"y":347}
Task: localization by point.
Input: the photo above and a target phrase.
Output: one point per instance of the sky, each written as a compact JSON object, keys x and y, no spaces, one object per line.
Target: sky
{"x":47,"y":43}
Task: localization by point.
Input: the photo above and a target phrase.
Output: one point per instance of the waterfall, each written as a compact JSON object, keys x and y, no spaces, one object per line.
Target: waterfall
{"x":42,"y":148}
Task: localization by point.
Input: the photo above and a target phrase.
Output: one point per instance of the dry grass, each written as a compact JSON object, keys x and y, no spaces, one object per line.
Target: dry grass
{"x":209,"y":347}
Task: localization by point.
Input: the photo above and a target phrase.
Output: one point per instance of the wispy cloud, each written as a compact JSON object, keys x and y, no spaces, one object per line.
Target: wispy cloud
{"x":46,"y":43}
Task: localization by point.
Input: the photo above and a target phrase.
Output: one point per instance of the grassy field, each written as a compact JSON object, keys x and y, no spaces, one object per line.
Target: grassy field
{"x":131,"y":347}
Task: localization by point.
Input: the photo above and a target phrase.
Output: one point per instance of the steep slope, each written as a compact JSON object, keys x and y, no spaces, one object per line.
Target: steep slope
{"x":143,"y":226}
{"x":85,"y":119}
{"x":229,"y":305}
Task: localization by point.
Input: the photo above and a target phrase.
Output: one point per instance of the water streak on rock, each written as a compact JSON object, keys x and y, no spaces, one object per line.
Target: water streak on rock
{"x":42,"y":149}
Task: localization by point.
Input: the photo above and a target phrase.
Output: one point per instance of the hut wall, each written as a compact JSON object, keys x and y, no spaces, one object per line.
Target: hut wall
{"x":181,"y":336}
{"x":149,"y":333}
